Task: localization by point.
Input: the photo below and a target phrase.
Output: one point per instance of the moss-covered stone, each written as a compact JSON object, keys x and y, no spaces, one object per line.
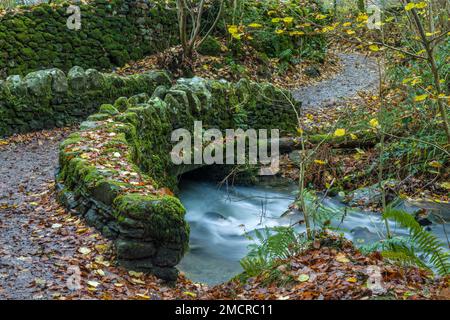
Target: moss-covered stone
{"x":210,"y":46}
{"x":121,"y":161}
{"x":48,"y":98}
{"x":36,"y":37}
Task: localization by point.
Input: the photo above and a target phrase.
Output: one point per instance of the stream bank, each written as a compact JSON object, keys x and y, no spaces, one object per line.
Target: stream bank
{"x":223,"y":223}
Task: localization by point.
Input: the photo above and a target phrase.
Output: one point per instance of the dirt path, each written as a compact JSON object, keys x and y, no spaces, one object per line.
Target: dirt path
{"x":42,"y":245}
{"x":358,"y":73}
{"x":26,"y":258}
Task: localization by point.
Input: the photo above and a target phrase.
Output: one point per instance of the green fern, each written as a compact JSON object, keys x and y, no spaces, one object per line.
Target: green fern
{"x":432,"y":250}
{"x":404,"y":255}
{"x":270,"y":245}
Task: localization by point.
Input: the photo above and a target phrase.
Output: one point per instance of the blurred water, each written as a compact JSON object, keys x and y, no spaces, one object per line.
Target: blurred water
{"x":220,"y":217}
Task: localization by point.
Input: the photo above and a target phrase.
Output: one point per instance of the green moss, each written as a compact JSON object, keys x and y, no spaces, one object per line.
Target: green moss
{"x":121,"y":104}
{"x":163,"y":215}
{"x":108,"y":109}
{"x":38,"y":36}
{"x":211,"y":47}
{"x":99,"y":117}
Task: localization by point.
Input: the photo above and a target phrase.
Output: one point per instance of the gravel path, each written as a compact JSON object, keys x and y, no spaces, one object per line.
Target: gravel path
{"x":358,"y":73}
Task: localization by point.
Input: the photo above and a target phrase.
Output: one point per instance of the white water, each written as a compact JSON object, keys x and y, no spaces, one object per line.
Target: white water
{"x":220,"y":217}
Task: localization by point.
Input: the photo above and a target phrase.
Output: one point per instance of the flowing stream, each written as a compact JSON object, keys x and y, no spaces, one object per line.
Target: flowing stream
{"x":221,"y":217}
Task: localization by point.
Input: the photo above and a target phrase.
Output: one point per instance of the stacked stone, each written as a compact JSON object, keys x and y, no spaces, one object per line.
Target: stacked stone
{"x":148,"y":226}
{"x":111,"y":34}
{"x":50,"y":98}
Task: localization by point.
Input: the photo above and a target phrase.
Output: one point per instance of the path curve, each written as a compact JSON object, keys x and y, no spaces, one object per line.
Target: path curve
{"x":358,"y":73}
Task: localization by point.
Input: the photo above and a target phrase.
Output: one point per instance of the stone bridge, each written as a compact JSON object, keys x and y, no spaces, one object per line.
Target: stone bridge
{"x":116,"y":171}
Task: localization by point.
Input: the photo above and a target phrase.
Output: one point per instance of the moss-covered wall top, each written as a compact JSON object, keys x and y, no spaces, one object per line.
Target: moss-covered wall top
{"x":50,"y":98}
{"x":116,"y":171}
{"x":111,"y":34}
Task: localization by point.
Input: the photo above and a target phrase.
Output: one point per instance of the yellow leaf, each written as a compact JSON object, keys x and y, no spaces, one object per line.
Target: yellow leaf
{"x":445,"y":185}
{"x":279,"y":31}
{"x":303,"y":277}
{"x":347,"y":24}
{"x":84,"y":250}
{"x":321,"y":162}
{"x":233,"y":29}
{"x":101,"y":248}
{"x":420,"y":98}
{"x":276,"y":20}
{"x":421,"y":5}
{"x":406,"y":80}
{"x":353,"y":136}
{"x":339,"y":133}
{"x":288,"y":19}
{"x":137,"y":281}
{"x":135,"y":274}
{"x":362,"y":17}
{"x":416,"y":80}
{"x":352,"y":279}
{"x":255,"y":25}
{"x":143,"y":296}
{"x":296,"y":33}
{"x":374,"y":48}
{"x":191,"y":294}
{"x":299,"y":131}
{"x":327,"y":29}
{"x":374,"y":123}
{"x":410,"y":6}
{"x":93,"y":284}
{"x":342,"y":258}
{"x":350,"y":32}
{"x":100,"y":272}
{"x":3,"y":142}
{"x":320,"y":17}
{"x":435,"y":164}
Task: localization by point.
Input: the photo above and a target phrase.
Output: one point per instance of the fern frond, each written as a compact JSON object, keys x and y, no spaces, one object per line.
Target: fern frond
{"x":272,"y":244}
{"x":426,"y":242}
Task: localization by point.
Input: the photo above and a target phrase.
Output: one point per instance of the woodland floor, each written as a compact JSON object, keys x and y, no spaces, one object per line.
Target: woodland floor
{"x":41,"y":244}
